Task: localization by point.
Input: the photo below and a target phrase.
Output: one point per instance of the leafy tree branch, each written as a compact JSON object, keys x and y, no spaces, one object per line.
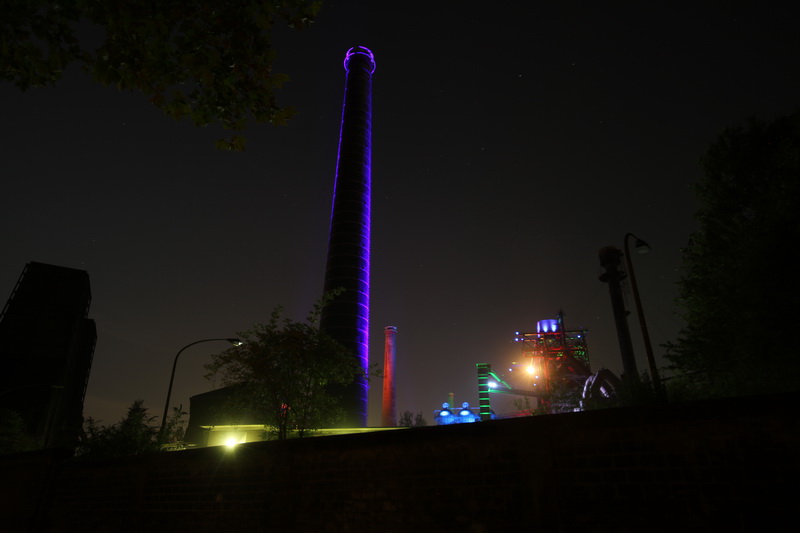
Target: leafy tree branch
{"x":739,"y":286}
{"x":286,"y":374}
{"x":209,"y":61}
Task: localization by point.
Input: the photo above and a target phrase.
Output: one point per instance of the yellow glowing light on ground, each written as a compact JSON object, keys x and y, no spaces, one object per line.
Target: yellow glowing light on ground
{"x":530,"y":370}
{"x":231,"y":442}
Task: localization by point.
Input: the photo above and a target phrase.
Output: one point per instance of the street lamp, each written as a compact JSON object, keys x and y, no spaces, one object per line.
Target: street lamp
{"x":642,"y":248}
{"x":235,"y":342}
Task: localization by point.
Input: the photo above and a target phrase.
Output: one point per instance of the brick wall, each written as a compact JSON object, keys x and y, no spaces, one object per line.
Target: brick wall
{"x":728,"y":465}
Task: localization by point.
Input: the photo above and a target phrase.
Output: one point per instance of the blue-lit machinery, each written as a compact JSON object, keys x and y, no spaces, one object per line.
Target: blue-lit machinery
{"x":450,"y":415}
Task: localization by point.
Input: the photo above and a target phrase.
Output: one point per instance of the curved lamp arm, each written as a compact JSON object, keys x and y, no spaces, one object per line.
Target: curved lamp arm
{"x":235,"y":342}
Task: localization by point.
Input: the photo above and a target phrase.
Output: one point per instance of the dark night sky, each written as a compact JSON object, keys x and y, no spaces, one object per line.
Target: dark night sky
{"x":510,"y":144}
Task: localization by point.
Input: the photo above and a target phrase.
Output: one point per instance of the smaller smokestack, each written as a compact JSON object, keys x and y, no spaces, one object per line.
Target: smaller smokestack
{"x":451,"y":399}
{"x":389,"y":413}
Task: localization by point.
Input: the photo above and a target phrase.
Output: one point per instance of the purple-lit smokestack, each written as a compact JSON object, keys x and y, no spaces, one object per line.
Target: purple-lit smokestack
{"x":347,"y":318}
{"x":389,"y":413}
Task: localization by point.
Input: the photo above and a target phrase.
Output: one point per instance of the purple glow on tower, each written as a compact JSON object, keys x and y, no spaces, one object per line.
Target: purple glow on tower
{"x":347,"y":317}
{"x":360,"y":50}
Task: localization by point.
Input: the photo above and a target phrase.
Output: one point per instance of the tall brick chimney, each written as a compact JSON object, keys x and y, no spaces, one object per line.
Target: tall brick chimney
{"x":346,"y":318}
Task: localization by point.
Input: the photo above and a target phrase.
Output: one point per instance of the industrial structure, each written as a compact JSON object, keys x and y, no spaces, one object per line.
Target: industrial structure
{"x":449,"y":415}
{"x":554,"y":370}
{"x":613,"y":275}
{"x":556,"y":362}
{"x":46,"y":347}
{"x":347,"y":273}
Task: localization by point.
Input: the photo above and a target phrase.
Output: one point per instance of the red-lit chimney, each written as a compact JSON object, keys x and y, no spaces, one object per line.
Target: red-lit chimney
{"x":389,"y":412}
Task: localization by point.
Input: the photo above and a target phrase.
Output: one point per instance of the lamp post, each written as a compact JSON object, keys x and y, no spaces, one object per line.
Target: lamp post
{"x":642,"y":248}
{"x":235,"y":342}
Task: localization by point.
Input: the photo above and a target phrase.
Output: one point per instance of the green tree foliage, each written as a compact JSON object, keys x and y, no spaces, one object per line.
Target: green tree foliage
{"x":740,"y":285}
{"x":206,"y":60}
{"x":136,"y":433}
{"x":285,"y":374}
{"x":13,"y":437}
{"x":526,"y":407}
{"x":409,"y":419}
{"x":174,"y":430}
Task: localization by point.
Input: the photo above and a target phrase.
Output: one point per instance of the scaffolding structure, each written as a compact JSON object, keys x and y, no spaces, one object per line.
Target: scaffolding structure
{"x":555,"y":365}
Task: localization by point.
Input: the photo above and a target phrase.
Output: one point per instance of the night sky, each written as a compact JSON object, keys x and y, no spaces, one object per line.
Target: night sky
{"x":509,"y":145}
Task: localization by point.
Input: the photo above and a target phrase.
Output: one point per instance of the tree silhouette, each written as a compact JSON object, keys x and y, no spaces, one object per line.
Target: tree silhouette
{"x":286,"y":374}
{"x":13,"y":437}
{"x":206,"y":60}
{"x":739,"y":287}
{"x":409,"y":419}
{"x":136,"y":433}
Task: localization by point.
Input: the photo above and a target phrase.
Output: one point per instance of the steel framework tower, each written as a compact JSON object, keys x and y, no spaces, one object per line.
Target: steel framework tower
{"x":346,"y":318}
{"x":46,"y":348}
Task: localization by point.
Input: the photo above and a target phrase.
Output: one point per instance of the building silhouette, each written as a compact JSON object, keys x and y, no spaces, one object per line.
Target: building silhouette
{"x":46,"y":347}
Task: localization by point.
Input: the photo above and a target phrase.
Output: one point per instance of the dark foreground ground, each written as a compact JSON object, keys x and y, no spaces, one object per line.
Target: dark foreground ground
{"x":728,"y":465}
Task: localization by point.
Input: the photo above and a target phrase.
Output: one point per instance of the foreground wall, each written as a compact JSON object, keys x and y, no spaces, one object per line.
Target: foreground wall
{"x":728,"y":465}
